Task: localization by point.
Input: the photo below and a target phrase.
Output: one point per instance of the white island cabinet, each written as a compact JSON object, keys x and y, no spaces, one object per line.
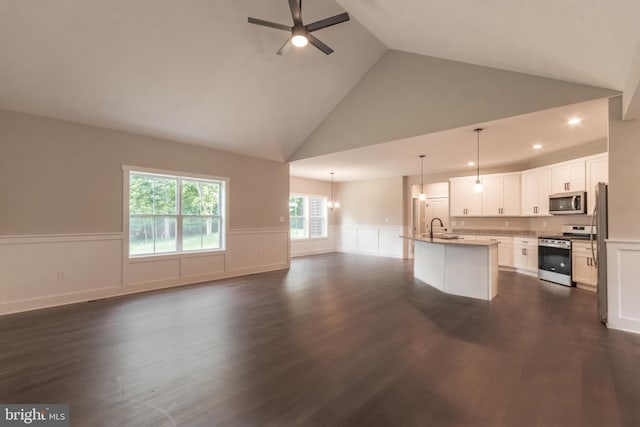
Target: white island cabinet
{"x":459,"y":267}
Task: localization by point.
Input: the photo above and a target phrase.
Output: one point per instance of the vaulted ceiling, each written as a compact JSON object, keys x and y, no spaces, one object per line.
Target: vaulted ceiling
{"x":582,"y":41}
{"x":194,"y":71}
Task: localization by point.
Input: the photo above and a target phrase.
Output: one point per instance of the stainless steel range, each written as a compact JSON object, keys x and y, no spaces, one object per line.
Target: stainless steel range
{"x":554,"y":253}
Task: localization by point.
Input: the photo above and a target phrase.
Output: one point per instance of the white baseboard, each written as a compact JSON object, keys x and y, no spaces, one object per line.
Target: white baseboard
{"x":311,"y":252}
{"x":371,"y":253}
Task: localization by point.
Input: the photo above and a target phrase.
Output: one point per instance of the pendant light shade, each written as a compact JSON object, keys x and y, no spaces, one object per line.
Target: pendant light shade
{"x":422,"y":195}
{"x":333,"y":204}
{"x":478,"y":186}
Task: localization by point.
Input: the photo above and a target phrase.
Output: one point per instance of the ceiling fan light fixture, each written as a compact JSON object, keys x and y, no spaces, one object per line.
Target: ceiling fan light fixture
{"x":299,"y":40}
{"x":301,"y":33}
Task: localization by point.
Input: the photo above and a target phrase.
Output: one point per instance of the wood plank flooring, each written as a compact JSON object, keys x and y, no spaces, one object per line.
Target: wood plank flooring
{"x":338,"y":340}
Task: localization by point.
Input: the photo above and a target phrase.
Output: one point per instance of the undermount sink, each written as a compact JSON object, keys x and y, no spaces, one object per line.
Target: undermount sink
{"x":445,"y":236}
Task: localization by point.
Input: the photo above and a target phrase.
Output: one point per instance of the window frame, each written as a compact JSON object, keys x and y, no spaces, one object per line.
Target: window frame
{"x":222,"y":218}
{"x":307,"y":217}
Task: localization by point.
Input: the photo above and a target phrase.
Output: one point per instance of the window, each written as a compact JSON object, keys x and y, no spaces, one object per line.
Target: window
{"x":169,"y":214}
{"x":307,"y":216}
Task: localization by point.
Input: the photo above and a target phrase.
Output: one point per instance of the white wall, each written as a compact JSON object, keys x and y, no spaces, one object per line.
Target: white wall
{"x":371,"y":217}
{"x":61,"y":215}
{"x":302,"y":247}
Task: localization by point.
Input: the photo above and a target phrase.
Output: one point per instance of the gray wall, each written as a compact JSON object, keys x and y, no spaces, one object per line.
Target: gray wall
{"x":406,"y":95}
{"x":58,"y":177}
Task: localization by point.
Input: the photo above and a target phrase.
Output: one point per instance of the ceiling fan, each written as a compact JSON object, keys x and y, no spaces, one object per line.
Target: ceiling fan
{"x":300,"y":33}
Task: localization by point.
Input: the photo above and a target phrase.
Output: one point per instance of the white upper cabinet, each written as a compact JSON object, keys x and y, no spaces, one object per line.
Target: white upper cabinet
{"x":501,"y":195}
{"x":536,"y":187}
{"x":568,"y":176}
{"x":527,"y":193}
{"x":597,"y":171}
{"x":464,"y":201}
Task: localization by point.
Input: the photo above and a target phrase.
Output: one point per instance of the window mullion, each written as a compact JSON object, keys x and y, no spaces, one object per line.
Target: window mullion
{"x":153,"y":213}
{"x":307,"y":232}
{"x":179,"y":216}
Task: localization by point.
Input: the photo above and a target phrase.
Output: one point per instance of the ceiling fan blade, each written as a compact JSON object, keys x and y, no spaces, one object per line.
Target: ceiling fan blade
{"x":327,"y":22}
{"x":296,"y":14}
{"x":320,"y":45}
{"x":285,"y":47}
{"x":268,"y":24}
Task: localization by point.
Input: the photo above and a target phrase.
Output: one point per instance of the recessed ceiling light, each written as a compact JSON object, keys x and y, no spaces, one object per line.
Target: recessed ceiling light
{"x":574,"y":121}
{"x":470,"y":164}
{"x":537,"y":146}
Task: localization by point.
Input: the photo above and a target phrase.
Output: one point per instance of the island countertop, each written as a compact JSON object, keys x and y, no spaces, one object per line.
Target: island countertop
{"x":461,"y":242}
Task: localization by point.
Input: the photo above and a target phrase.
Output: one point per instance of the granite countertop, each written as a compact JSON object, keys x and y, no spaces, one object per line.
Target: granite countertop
{"x":466,"y":242}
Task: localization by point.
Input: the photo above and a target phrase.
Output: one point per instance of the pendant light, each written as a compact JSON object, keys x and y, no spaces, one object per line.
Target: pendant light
{"x":478,"y":186}
{"x":422,"y":195}
{"x":333,"y":204}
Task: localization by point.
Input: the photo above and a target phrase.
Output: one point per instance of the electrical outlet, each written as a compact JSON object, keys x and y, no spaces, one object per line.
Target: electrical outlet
{"x":453,"y":223}
{"x":506,"y":223}
{"x":281,"y":219}
{"x":461,"y":223}
{"x":60,"y":274}
{"x":544,"y":224}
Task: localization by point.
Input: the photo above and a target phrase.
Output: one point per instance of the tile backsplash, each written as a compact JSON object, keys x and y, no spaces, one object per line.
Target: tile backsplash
{"x":550,"y":224}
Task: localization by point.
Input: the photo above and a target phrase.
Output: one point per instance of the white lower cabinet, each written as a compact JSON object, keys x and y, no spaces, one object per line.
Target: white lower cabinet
{"x":505,"y":251}
{"x":525,"y":254}
{"x":583,"y":268}
{"x":505,"y":248}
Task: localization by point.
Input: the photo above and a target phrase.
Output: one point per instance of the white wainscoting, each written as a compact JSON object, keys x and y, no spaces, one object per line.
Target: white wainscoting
{"x":371,"y":240}
{"x":303,"y":247}
{"x":623,"y":277}
{"x":45,"y":271}
{"x":42,"y":271}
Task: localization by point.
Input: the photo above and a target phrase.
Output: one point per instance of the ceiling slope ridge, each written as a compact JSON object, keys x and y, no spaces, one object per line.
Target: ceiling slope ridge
{"x":293,"y":152}
{"x":406,"y":95}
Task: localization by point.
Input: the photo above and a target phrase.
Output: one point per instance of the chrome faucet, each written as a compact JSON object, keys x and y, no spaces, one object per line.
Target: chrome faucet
{"x":431,"y":227}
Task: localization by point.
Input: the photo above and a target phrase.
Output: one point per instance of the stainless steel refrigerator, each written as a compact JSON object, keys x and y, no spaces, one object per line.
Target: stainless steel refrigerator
{"x":600,"y":220}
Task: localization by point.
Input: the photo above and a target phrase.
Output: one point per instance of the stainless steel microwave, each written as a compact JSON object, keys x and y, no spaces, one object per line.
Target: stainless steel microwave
{"x":574,"y":203}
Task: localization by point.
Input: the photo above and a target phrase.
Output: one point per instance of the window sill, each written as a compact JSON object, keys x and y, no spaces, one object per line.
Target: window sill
{"x":133,"y":259}
{"x":303,"y":239}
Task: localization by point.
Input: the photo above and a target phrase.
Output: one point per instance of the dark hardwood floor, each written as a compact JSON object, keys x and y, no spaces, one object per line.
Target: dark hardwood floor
{"x":337,"y":340}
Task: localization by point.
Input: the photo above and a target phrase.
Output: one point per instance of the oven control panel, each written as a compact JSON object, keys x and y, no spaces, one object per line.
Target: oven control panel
{"x":555,"y":243}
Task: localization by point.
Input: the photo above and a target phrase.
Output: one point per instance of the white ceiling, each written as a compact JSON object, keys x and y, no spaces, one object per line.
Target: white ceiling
{"x":192,"y":70}
{"x":502,"y":142}
{"x":584,"y":41}
{"x":195,"y":71}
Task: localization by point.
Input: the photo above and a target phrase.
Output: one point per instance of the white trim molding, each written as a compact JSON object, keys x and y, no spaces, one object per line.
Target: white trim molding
{"x":623,"y":287}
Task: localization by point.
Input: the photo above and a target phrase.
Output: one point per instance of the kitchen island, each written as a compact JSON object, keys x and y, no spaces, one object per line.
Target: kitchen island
{"x":459,"y":267}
